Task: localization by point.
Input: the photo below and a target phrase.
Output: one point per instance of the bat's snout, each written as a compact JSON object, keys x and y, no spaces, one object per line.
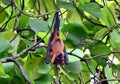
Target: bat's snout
{"x":60,"y":57}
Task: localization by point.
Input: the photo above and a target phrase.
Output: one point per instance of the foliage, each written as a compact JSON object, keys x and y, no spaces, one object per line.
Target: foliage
{"x":90,"y":26}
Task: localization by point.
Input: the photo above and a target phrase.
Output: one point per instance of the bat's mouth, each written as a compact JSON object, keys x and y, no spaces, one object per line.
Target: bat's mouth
{"x":59,"y":59}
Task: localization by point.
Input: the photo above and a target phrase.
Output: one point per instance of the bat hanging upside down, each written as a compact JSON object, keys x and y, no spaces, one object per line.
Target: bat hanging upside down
{"x":56,"y":51}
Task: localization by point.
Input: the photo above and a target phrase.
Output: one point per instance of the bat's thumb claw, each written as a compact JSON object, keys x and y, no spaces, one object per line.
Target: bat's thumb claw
{"x":47,"y":61}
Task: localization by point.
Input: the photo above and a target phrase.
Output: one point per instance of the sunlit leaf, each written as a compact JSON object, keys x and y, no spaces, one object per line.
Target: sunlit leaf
{"x":3,"y":15}
{"x":24,"y":21}
{"x":83,"y":1}
{"x":77,"y":52}
{"x":1,"y":69}
{"x":100,"y":34}
{"x":73,"y":16}
{"x":2,"y":72}
{"x":7,"y":35}
{"x":42,"y":34}
{"x":107,"y":18}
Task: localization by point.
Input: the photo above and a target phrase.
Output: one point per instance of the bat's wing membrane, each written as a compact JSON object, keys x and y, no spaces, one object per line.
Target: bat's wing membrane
{"x":48,"y":57}
{"x":65,"y":56}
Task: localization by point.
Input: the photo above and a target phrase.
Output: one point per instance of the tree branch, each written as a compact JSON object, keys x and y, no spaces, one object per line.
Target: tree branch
{"x":20,"y":68}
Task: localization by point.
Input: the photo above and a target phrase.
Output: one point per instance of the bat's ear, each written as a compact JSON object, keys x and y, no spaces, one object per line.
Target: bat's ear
{"x":65,"y":56}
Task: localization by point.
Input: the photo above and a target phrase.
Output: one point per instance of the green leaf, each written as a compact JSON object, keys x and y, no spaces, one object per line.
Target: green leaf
{"x":65,"y":80}
{"x":108,"y":74}
{"x":29,"y":43}
{"x":117,"y":55}
{"x":6,"y":1}
{"x":43,"y":68}
{"x":100,"y":34}
{"x":23,"y":21}
{"x":42,"y":34}
{"x":3,"y":15}
{"x":73,"y":16}
{"x":116,"y":70}
{"x":74,"y":67}
{"x":107,"y":18}
{"x":76,"y":52}
{"x":67,"y":74}
{"x":74,"y":32}
{"x":92,"y":8}
{"x":89,"y":41}
{"x":4,"y":45}
{"x":8,"y":67}
{"x":93,"y":64}
{"x":83,"y":1}
{"x":2,"y":72}
{"x":14,"y":45}
{"x":21,"y":47}
{"x":1,"y":69}
{"x":38,"y":25}
{"x":99,"y":49}
{"x":7,"y":35}
{"x":31,"y":67}
{"x":66,"y":5}
{"x":50,"y":5}
{"x":115,"y":38}
{"x":45,"y":79}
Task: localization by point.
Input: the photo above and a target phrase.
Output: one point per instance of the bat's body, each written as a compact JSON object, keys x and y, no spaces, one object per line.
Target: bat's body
{"x":56,"y":50}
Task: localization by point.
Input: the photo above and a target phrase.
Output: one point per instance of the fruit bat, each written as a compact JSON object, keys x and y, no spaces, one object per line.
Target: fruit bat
{"x":56,"y":51}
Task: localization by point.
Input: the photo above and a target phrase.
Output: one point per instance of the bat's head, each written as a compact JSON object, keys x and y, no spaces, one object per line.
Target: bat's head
{"x":59,"y":59}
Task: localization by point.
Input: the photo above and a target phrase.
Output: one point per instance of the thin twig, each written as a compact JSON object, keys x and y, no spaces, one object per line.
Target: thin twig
{"x":30,"y":15}
{"x":58,"y":75}
{"x":114,"y":79}
{"x":5,"y":24}
{"x":5,"y":7}
{"x":82,"y":14}
{"x":91,"y":70}
{"x":117,"y":3}
{"x":100,"y":55}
